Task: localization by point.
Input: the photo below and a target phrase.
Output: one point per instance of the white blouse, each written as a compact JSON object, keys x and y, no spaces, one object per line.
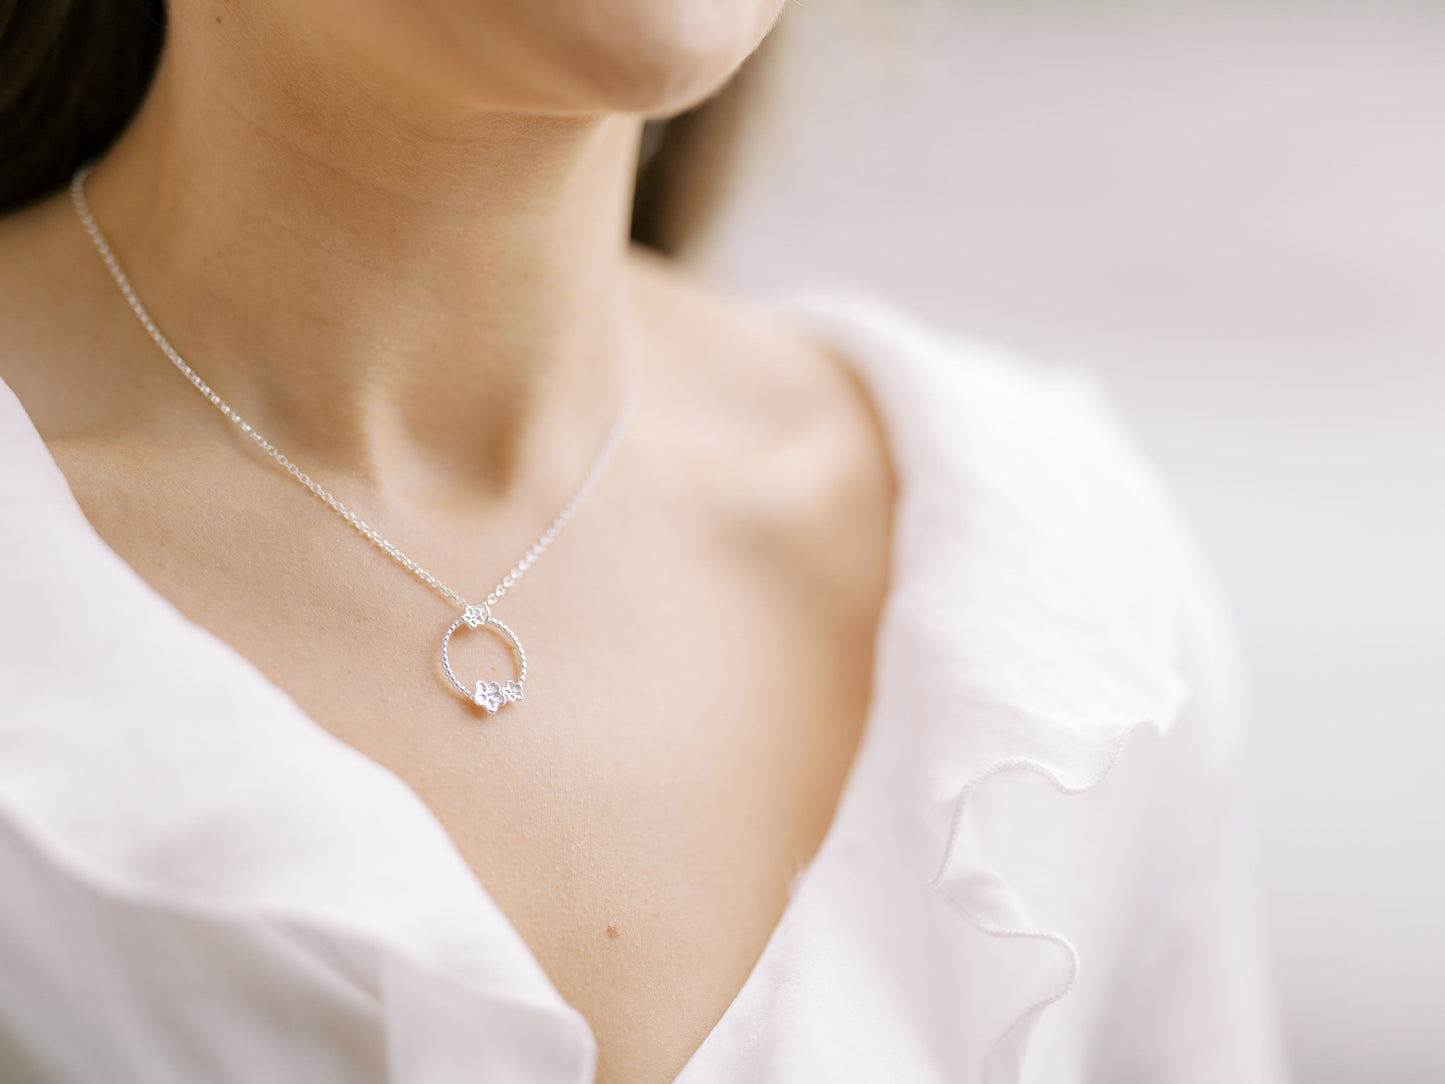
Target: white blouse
{"x":1038,"y":871}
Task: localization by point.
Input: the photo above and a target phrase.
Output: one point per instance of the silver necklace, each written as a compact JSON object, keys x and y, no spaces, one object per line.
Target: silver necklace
{"x":490,"y":695}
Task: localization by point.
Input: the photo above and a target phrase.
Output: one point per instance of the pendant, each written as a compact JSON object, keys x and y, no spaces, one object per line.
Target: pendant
{"x":486,"y":694}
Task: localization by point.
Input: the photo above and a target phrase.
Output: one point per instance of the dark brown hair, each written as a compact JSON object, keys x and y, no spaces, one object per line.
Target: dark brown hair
{"x":73,"y":73}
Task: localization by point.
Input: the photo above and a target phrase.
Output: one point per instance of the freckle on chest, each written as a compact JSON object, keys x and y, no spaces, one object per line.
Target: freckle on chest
{"x":612,"y":933}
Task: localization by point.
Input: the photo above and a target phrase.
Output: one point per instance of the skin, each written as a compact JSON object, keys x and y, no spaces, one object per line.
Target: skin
{"x":393,"y":236}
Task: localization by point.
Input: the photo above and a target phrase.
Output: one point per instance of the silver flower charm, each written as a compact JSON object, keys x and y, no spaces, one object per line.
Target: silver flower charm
{"x":492,"y":695}
{"x":474,"y":616}
{"x":489,"y":695}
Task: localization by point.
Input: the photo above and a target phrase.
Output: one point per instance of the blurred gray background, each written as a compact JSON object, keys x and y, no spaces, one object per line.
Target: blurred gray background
{"x":1235,"y":214}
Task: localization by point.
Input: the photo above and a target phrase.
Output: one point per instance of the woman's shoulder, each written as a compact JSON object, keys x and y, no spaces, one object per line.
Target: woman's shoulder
{"x":967,"y":410}
{"x":1044,"y":406}
{"x":951,"y":405}
{"x":1039,"y":533}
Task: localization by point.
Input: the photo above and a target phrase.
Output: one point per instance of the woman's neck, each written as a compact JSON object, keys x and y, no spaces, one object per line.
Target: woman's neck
{"x":379,"y":281}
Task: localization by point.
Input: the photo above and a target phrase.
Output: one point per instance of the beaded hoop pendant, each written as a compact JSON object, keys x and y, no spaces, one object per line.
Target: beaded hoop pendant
{"x":486,"y":694}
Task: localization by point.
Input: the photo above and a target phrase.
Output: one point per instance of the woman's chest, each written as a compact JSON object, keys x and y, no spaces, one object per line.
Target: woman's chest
{"x":640,"y":815}
{"x":692,"y":709}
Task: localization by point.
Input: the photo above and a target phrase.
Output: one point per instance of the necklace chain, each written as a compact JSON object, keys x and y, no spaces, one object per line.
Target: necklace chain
{"x":629,"y":398}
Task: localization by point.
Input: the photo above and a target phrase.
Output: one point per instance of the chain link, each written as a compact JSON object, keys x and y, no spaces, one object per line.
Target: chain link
{"x":629,"y":398}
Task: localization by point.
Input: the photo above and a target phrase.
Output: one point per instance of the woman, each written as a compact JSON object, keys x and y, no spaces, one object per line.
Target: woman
{"x":842,"y":598}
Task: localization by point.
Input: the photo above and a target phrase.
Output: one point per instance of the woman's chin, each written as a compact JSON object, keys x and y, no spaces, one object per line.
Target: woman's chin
{"x":648,"y":57}
{"x":664,"y":58}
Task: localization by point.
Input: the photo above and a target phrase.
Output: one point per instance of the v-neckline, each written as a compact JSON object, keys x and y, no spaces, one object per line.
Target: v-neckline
{"x":801,"y":888}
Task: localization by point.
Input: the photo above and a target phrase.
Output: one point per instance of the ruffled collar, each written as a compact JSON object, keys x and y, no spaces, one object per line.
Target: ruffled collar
{"x":1031,"y":625}
{"x":1041,"y":588}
